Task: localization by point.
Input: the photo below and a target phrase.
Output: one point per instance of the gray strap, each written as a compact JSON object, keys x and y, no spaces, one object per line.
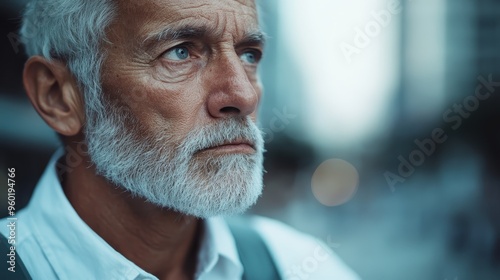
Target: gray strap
{"x":254,"y":254}
{"x":21,"y":273}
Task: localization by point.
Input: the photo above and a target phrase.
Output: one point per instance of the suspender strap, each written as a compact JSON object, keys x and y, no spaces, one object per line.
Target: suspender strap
{"x":20,"y":270}
{"x":254,"y":254}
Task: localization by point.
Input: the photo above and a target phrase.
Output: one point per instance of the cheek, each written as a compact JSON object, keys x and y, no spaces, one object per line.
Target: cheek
{"x":170,"y":108}
{"x":257,"y":85}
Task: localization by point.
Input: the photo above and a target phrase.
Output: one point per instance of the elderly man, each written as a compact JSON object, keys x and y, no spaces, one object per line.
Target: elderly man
{"x":155,"y":102}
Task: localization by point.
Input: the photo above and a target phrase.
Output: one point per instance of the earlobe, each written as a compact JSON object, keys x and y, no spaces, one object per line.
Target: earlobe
{"x":54,"y":93}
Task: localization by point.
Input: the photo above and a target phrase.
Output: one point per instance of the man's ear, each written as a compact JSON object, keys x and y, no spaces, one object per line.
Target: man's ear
{"x":54,"y":93}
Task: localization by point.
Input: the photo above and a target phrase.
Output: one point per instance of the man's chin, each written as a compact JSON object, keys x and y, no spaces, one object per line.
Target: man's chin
{"x":217,"y":196}
{"x":209,"y":212}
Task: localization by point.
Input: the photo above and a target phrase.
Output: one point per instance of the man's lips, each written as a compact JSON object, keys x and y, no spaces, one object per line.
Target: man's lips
{"x":232,"y":147}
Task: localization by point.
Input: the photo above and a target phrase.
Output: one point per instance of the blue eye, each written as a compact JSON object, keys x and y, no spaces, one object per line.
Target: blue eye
{"x":250,"y":57}
{"x":177,"y":53}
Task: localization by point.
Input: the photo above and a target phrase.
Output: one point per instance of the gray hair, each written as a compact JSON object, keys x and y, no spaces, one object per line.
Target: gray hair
{"x":70,"y":30}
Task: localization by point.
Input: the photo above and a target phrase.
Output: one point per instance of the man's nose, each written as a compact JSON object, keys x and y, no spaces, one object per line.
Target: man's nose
{"x":232,"y":93}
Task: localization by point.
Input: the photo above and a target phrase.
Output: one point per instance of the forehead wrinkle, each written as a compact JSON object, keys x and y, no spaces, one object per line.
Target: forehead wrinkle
{"x":170,"y":21}
{"x":244,"y":31}
{"x":237,"y":9}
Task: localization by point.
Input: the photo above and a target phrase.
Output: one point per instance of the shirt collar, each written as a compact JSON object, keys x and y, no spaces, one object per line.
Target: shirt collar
{"x":61,"y":232}
{"x":218,"y":248}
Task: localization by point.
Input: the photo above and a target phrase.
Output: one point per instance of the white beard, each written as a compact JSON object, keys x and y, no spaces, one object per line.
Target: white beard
{"x":170,"y":175}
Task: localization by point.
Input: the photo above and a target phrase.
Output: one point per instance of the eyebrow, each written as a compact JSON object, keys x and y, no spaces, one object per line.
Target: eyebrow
{"x":253,"y":38}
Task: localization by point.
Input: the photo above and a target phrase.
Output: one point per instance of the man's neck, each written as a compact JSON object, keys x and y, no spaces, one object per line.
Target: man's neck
{"x":162,"y":242}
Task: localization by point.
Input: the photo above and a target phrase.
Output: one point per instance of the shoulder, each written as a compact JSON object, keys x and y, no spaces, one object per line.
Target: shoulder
{"x":19,"y":233}
{"x":16,"y":228}
{"x":299,"y":255}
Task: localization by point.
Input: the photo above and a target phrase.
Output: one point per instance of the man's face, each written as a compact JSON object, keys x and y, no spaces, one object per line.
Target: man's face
{"x":180,"y":94}
{"x":181,"y":64}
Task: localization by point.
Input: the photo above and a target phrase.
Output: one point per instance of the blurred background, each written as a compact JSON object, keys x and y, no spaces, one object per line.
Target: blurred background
{"x":403,"y":94}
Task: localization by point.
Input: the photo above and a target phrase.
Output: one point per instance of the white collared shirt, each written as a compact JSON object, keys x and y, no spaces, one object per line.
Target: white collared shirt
{"x":55,"y":243}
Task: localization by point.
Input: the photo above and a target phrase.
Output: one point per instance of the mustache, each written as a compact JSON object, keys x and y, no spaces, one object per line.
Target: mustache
{"x":241,"y":130}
